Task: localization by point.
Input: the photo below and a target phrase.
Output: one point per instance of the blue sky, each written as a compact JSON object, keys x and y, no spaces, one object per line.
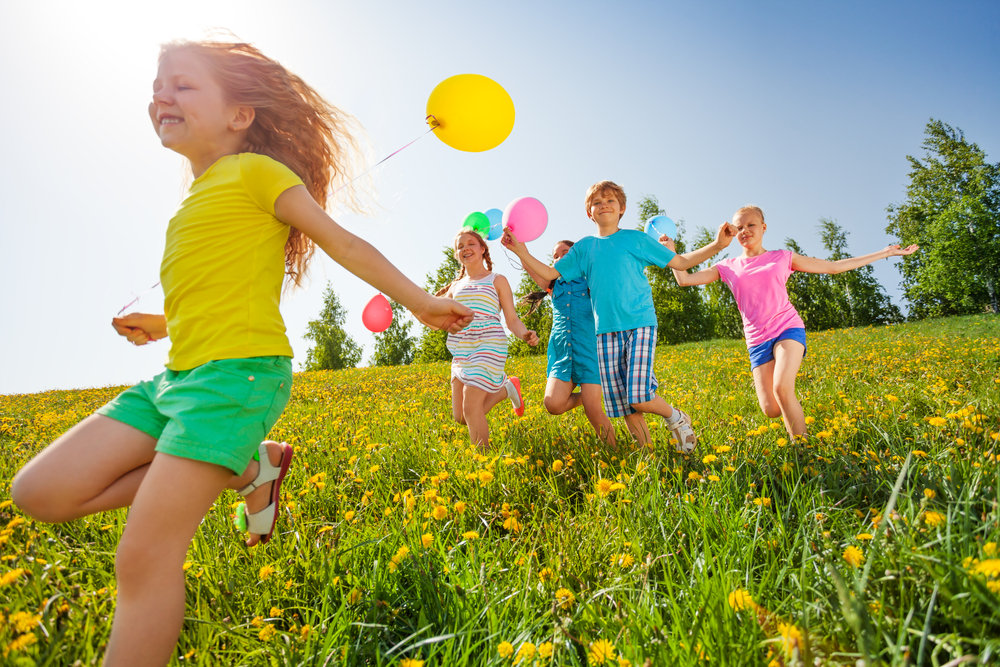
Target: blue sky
{"x":806,"y":109}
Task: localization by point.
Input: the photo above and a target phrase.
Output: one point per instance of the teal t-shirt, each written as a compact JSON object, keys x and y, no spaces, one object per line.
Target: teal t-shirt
{"x":614,"y":267}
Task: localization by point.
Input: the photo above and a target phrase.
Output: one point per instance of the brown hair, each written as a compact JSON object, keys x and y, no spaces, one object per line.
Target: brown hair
{"x":536,"y":298}
{"x":750,"y":207}
{"x":598,"y":190}
{"x":293,"y":125}
{"x":461,"y":272}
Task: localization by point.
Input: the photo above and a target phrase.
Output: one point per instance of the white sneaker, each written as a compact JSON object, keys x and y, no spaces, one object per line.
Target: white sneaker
{"x":683,"y":433}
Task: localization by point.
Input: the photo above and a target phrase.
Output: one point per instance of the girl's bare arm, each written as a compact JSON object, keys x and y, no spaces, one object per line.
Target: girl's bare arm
{"x":815,"y":265}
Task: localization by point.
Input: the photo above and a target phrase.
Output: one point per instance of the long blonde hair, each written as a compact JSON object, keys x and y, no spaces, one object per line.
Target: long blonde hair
{"x":293,"y":125}
{"x":461,"y":271}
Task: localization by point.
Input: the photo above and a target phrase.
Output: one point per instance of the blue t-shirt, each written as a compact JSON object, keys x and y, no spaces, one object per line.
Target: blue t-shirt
{"x":614,"y":267}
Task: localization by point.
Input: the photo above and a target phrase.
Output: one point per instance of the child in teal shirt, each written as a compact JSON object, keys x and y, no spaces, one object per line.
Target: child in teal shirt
{"x":613,"y":263}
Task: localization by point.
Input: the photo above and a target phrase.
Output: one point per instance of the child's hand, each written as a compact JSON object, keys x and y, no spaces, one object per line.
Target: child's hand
{"x":725,"y":235}
{"x":667,"y":242}
{"x":447,"y":314}
{"x":509,"y":241}
{"x":895,"y":250}
{"x":141,"y":328}
{"x":530,"y":337}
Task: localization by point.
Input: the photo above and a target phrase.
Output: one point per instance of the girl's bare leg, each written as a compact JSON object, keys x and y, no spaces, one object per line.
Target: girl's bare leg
{"x":98,"y":466}
{"x":457,"y":394}
{"x":560,"y":397}
{"x":590,"y":395}
{"x":168,"y":506}
{"x":787,"y":360}
{"x":474,"y":410}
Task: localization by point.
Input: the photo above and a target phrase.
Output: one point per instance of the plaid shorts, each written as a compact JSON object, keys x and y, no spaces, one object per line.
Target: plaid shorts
{"x":625,"y":359}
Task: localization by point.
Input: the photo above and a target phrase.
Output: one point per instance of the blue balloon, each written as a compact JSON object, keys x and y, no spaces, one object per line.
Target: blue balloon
{"x":661,"y":224}
{"x":496,"y":225}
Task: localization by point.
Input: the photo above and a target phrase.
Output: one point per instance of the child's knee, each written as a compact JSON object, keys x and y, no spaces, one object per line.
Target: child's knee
{"x":552,"y":406}
{"x":141,"y":561}
{"x":784,"y":392}
{"x":35,"y":498}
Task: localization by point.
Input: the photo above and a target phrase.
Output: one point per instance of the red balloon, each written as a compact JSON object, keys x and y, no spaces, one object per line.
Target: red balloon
{"x":377,"y":315}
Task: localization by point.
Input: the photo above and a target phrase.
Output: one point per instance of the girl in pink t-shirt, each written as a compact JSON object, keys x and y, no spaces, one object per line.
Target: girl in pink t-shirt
{"x":776,"y":335}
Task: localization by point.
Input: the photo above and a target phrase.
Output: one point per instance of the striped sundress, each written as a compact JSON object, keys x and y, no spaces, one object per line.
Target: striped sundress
{"x":479,"y":350}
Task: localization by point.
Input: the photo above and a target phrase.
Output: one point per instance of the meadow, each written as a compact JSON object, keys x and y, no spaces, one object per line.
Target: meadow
{"x":874,"y":540}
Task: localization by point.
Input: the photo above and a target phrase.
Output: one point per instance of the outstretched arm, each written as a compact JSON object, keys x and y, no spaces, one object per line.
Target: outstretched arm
{"x":723,"y":238}
{"x":814,"y":265}
{"x":296,"y":207}
{"x":534,"y":266}
{"x":685,"y":279}
{"x":510,"y":313}
{"x":141,"y":328}
{"x":541,"y":282}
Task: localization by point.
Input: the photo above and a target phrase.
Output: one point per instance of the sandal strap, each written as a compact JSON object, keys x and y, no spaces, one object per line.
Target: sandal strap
{"x":262,"y":522}
{"x":266,"y":473}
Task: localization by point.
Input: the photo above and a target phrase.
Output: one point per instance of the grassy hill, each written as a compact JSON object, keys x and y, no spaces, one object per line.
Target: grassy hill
{"x":876,"y":539}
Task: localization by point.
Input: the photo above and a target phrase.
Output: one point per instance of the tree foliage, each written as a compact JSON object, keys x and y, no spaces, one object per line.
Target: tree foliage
{"x":432,"y":344}
{"x":681,"y":315}
{"x":395,"y":346}
{"x":722,"y":309}
{"x":334,"y":349}
{"x":952,"y":210}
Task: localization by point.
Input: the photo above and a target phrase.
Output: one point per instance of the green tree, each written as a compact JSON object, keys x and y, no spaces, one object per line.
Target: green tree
{"x":681,"y":315}
{"x":540,"y":321}
{"x":859,"y":300}
{"x":334,"y":348}
{"x":432,"y":344}
{"x":395,"y":346}
{"x":952,"y":209}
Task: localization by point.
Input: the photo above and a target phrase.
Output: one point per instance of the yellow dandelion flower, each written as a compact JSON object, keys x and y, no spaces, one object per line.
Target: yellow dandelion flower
{"x":601,"y":651}
{"x":565,"y":598}
{"x":266,"y":572}
{"x":694,"y":476}
{"x":324,"y":529}
{"x":603,"y":487}
{"x":854,"y":556}
{"x":920,"y":454}
{"x":304,"y":632}
{"x":427,"y":540}
{"x":545,"y":574}
{"x":23,"y":621}
{"x":545,"y":650}
{"x":20,"y":643}
{"x":791,"y":637}
{"x":505,"y":649}
{"x":355,"y":596}
{"x":810,"y":420}
{"x":990,"y":549}
{"x":937,"y":421}
{"x":411,"y":662}
{"x":440,"y":512}
{"x":623,"y":560}
{"x":762,"y":501}
{"x":525,"y":653}
{"x":864,"y":536}
{"x":275,"y":612}
{"x":891,"y":398}
{"x":460,"y":507}
{"x":930,"y":494}
{"x":711,"y":458}
{"x":988,"y":568}
{"x":740,"y":599}
{"x":934,"y":519}
{"x":8,"y":577}
{"x":557,"y":466}
{"x":485,"y":477}
{"x":349,"y":516}
{"x":267,"y":633}
{"x":470,"y":535}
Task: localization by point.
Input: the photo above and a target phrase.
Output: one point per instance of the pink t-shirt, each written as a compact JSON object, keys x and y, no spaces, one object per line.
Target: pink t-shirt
{"x":758,"y":283}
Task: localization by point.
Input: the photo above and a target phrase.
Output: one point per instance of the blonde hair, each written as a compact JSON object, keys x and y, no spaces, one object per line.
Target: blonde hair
{"x":292,"y":124}
{"x":461,"y":271}
{"x":597,"y":189}
{"x":748,"y":208}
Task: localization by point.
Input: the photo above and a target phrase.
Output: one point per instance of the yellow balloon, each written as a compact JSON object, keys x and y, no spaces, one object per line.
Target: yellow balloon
{"x":474,"y":113}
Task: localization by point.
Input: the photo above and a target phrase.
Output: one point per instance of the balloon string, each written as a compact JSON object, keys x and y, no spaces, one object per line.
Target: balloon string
{"x":516,"y":265}
{"x":136,"y":299}
{"x":430,"y":121}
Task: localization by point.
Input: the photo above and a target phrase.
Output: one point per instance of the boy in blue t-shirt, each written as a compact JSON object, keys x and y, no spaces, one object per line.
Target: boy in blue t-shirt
{"x":614,"y":262}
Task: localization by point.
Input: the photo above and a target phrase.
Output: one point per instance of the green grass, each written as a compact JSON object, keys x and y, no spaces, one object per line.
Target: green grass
{"x":906,"y":432}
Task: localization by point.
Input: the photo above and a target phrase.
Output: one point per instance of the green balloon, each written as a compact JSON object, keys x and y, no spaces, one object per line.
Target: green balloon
{"x":477,"y":222}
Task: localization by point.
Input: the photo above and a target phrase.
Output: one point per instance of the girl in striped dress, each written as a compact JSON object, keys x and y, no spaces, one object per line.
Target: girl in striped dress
{"x":478,"y":381}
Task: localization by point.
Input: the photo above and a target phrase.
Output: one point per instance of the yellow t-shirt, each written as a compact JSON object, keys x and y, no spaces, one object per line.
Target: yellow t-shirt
{"x":224,"y":263}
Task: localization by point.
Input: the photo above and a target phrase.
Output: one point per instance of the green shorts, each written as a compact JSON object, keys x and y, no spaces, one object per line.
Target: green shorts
{"x":218,"y":412}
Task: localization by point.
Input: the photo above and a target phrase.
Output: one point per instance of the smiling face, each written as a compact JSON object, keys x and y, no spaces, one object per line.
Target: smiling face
{"x":468,"y":250}
{"x":560,"y":250}
{"x":605,"y":208}
{"x":750,"y":228}
{"x":189,"y":110}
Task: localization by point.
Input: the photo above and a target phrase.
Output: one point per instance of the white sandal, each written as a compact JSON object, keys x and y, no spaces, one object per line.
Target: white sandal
{"x":683,"y":433}
{"x":263,"y":522}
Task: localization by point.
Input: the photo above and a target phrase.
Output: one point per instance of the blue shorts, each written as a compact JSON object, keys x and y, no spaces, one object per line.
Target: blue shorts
{"x":763,"y":353}
{"x":626,"y":363}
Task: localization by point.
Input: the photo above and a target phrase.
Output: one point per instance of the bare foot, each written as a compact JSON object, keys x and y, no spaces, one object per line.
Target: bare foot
{"x":260,"y":497}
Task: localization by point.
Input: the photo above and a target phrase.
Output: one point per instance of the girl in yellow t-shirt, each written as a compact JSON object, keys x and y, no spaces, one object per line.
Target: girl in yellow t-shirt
{"x":264,"y":148}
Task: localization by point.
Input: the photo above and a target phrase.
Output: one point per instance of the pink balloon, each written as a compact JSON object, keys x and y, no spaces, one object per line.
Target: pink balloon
{"x":377,"y":315}
{"x":526,"y":217}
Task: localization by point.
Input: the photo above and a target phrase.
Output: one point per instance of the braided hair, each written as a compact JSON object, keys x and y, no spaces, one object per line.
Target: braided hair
{"x":461,"y":272}
{"x":535,"y":298}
